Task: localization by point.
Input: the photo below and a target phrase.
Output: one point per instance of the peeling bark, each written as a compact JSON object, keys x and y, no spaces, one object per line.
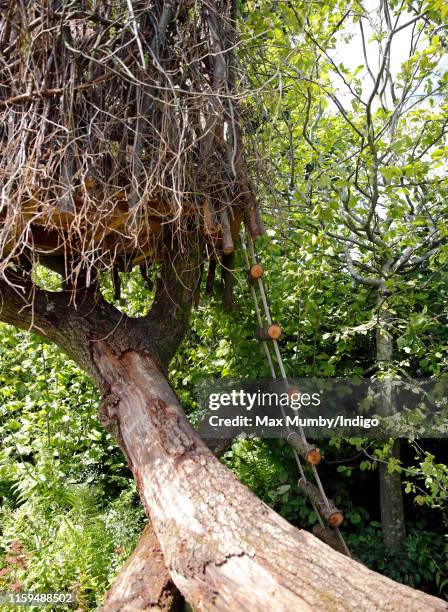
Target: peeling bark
{"x":144,"y":582}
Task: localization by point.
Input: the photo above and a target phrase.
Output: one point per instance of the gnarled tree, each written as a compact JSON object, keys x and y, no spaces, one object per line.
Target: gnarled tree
{"x":121,"y":138}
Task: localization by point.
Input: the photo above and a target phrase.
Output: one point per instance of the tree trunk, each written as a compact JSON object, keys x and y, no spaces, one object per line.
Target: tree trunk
{"x":391,"y":498}
{"x":224,"y":548}
{"x":391,"y":490}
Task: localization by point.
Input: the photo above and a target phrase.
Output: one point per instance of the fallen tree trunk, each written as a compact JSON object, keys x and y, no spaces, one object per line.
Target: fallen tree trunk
{"x":224,"y":548}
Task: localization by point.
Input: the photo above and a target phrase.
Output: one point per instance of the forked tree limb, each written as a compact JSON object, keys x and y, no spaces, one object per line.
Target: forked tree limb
{"x":144,"y":582}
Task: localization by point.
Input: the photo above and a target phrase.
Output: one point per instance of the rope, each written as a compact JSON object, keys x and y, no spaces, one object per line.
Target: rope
{"x":267,"y":313}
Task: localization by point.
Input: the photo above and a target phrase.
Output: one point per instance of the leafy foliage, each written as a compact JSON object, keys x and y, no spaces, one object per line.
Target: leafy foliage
{"x":69,"y":511}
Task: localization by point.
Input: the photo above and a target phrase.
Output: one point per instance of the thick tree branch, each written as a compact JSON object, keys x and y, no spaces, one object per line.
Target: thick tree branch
{"x":359,"y":278}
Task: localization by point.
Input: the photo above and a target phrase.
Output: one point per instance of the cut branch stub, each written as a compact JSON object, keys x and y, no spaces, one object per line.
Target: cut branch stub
{"x":293,"y":394}
{"x":331,"y":514}
{"x":256,"y":271}
{"x":271,"y":332}
{"x":310,"y":453}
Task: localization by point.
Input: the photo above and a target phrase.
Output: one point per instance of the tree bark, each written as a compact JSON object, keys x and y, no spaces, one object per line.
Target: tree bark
{"x":391,"y":498}
{"x":224,"y":548}
{"x":144,"y":582}
{"x":391,"y":490}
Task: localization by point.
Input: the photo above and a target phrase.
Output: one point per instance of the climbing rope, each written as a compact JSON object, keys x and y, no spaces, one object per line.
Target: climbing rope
{"x":250,"y":256}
